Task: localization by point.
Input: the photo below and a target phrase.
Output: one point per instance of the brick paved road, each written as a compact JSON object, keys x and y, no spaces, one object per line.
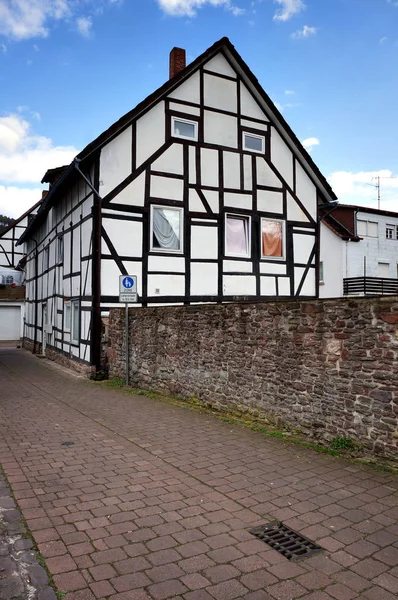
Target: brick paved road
{"x":154,"y":502}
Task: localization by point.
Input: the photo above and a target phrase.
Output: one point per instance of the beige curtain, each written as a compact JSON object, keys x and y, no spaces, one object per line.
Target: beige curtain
{"x":271,"y":238}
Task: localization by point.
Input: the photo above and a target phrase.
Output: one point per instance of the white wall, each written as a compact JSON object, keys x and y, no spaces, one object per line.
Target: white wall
{"x":333,"y":251}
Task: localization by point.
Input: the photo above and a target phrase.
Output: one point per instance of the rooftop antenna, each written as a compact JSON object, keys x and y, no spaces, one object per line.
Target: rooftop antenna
{"x":377,"y":186}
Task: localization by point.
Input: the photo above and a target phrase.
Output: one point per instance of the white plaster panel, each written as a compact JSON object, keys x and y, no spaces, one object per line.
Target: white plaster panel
{"x":133,"y":194}
{"x":247,"y":172}
{"x":166,"y":285}
{"x":249,"y":106}
{"x":86,"y":278}
{"x":166,"y":263}
{"x":220,"y":129}
{"x":309,"y":285}
{"x":334,"y":266}
{"x":150,"y":133}
{"x":115,"y":161}
{"x":213,"y":199}
{"x":195,"y":203}
{"x":165,"y":187}
{"x":126,"y":213}
{"x":294,"y":212}
{"x":268,"y":201}
{"x":171,"y":161}
{"x":239,"y":266}
{"x":298,"y":274}
{"x":188,"y":90}
{"x":109,"y":278}
{"x":302,"y":247}
{"x":126,"y":236}
{"x":75,"y":285}
{"x":254,"y":125}
{"x":209,"y":167}
{"x":237,"y":285}
{"x":220,"y":93}
{"x":76,"y":258}
{"x":284,"y":286}
{"x":272,"y":268}
{"x":204,"y":279}
{"x":86,"y":231}
{"x":192,"y":164}
{"x":238,"y":200}
{"x":87,"y":206}
{"x":134,"y":268}
{"x":268,"y":286}
{"x":231,"y":170}
{"x":219,"y":64}
{"x":306,"y":190}
{"x":192,"y":110}
{"x":281,"y":157}
{"x":204,"y":242}
{"x":265,"y":175}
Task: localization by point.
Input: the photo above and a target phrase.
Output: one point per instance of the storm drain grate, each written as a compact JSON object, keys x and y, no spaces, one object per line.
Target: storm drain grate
{"x":287,"y":542}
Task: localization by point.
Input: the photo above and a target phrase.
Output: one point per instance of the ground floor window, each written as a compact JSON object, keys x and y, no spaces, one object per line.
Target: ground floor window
{"x":272,"y":238}
{"x":72,"y":319}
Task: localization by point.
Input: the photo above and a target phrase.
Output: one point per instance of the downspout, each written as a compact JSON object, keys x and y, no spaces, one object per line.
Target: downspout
{"x":96,"y":267}
{"x":35,"y":296}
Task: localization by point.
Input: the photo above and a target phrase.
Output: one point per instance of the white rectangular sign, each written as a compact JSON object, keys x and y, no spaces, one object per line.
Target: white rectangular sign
{"x":128,"y":289}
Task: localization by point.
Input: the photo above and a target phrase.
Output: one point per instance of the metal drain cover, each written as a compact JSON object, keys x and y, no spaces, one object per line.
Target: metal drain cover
{"x":67,"y":443}
{"x":287,"y":542}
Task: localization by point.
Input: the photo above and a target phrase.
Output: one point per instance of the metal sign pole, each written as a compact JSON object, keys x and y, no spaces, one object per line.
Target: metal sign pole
{"x":127,"y":343}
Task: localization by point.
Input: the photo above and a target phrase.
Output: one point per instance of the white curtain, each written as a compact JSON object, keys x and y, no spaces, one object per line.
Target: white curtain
{"x":237,"y":236}
{"x":164,"y":235}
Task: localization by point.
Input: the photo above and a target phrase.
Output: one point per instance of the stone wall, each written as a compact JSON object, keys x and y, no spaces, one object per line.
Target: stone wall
{"x":327,"y":367}
{"x":60,"y":357}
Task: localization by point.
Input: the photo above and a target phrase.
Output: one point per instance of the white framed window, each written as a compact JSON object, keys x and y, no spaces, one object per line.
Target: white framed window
{"x":391,"y":232}
{"x":60,"y":250}
{"x":272,"y":235}
{"x":367,"y":228}
{"x":72,"y":319}
{"x":67,"y":316}
{"x":182,"y":128}
{"x":237,"y":235}
{"x":321,"y":274}
{"x":253,"y":142}
{"x":46,"y":255}
{"x":166,"y":230}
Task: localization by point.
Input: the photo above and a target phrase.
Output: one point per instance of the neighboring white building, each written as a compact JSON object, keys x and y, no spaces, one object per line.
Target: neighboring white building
{"x":358,"y":242}
{"x":202,"y":191}
{"x":12,"y":276}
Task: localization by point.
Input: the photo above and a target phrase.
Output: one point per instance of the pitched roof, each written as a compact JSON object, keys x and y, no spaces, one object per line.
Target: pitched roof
{"x":337,"y":227}
{"x":368,"y":209}
{"x":233,"y":56}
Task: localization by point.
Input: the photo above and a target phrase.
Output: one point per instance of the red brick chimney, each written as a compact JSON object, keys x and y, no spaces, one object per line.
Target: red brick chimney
{"x":177,"y":61}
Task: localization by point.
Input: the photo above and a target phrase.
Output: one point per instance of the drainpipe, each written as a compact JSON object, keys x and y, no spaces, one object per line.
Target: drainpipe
{"x":35,"y":296}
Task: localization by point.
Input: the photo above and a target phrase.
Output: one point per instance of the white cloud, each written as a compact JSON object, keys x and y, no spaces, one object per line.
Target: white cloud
{"x":180,"y":8}
{"x":84,"y":25}
{"x":310,"y":143}
{"x":305,"y":32}
{"x":393,"y":2}
{"x":26,"y":156}
{"x":26,"y":19}
{"x":360,"y":188}
{"x":3,"y":47}
{"x":288,"y":9}
{"x":15,"y":201}
{"x":290,"y":92}
{"x":383,"y":39}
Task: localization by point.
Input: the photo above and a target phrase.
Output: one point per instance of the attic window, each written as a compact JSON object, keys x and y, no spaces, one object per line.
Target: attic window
{"x":253,"y":142}
{"x":187,"y":130}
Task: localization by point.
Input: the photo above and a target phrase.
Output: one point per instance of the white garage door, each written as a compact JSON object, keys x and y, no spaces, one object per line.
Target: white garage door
{"x":10,"y":322}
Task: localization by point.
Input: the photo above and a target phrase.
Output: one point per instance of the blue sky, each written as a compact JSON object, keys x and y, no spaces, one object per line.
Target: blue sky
{"x":70,"y":68}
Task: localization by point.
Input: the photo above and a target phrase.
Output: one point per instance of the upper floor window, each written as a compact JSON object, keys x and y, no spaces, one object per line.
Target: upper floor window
{"x":237,"y":236}
{"x":253,"y":142}
{"x":367,"y":228}
{"x":272,"y":239}
{"x":60,"y":249}
{"x":166,"y":229}
{"x":391,"y":232}
{"x":46,"y":254}
{"x":182,"y":128}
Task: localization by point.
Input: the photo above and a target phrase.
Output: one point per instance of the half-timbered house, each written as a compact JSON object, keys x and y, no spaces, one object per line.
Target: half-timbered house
{"x":203,"y":191}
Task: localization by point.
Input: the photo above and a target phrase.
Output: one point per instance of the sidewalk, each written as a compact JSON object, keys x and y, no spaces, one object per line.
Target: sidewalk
{"x":151,"y":501}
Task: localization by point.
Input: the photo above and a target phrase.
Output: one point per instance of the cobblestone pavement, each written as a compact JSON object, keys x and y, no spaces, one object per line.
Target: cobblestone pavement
{"x":21,"y":575}
{"x":153,"y":501}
